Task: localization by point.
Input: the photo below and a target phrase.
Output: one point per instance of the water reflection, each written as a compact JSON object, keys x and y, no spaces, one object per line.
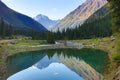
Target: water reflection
{"x":81,"y":68}
{"x":55,"y":71}
{"x":46,"y":61}
{"x":58,"y":67}
{"x":20,"y":62}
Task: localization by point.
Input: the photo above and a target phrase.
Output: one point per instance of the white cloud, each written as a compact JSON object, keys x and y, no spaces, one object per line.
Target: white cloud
{"x":8,"y":0}
{"x":55,"y":9}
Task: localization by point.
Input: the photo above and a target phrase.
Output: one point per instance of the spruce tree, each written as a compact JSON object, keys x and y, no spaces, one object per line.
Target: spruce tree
{"x":2,"y":28}
{"x":10,"y":30}
{"x":50,"y":38}
{"x":115,"y":9}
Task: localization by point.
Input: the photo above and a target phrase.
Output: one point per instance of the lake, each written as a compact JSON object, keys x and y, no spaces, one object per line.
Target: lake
{"x":58,"y":64}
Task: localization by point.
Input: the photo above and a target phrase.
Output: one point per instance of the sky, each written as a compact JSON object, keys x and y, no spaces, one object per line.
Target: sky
{"x":54,"y":9}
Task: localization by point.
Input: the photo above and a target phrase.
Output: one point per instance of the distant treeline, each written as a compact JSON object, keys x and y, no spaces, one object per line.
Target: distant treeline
{"x":8,"y":30}
{"x":5,"y":29}
{"x":101,"y":27}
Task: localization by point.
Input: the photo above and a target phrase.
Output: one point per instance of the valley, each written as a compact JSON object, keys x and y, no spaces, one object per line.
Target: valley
{"x":83,"y":45}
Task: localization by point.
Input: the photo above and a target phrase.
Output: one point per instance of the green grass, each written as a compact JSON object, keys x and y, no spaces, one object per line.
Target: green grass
{"x":30,"y":42}
{"x":116,"y":57}
{"x":90,"y":41}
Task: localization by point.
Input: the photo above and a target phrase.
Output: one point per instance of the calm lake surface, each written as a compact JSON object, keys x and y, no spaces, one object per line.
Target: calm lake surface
{"x":59,"y":64}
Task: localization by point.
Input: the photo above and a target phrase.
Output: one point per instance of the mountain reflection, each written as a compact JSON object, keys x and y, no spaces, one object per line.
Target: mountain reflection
{"x":58,"y":67}
{"x":80,"y":67}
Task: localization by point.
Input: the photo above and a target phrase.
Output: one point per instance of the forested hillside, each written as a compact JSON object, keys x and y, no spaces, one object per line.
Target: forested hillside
{"x":97,"y":25}
{"x":79,"y":15}
{"x":7,"y":30}
{"x":18,"y":20}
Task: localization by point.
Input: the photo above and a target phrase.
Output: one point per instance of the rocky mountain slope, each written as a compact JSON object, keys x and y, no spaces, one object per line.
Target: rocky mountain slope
{"x":101,"y":13}
{"x":19,"y":21}
{"x":79,"y":15}
{"x":45,"y":21}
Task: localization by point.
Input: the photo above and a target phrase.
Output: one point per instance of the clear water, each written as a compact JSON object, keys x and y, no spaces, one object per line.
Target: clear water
{"x":62,"y":64}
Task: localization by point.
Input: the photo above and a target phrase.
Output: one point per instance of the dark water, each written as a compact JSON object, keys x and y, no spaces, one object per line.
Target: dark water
{"x":62,"y":64}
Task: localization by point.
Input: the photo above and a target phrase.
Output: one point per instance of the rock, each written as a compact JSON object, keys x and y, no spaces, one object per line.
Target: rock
{"x":0,"y":77}
{"x":13,"y":42}
{"x":117,"y":75}
{"x":112,"y":38}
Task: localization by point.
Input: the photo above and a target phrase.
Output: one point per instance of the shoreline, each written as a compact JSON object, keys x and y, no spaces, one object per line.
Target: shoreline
{"x":10,"y":50}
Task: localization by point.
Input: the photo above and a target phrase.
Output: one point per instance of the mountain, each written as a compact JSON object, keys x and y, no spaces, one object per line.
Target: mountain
{"x":45,"y":21}
{"x":18,"y":20}
{"x":79,"y":15}
{"x":101,"y":13}
{"x":97,"y":25}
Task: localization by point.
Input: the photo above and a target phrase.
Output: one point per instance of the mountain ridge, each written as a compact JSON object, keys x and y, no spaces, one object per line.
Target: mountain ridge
{"x":79,"y":15}
{"x":18,"y":20}
{"x":46,"y":21}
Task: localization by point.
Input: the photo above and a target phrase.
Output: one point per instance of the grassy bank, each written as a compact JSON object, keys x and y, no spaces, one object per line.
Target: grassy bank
{"x":30,"y":42}
{"x":108,"y":45}
{"x":10,"y":47}
{"x":13,"y":47}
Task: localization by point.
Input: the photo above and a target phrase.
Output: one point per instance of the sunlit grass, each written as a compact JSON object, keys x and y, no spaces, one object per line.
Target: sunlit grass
{"x":89,"y":41}
{"x":116,"y":57}
{"x":29,"y":42}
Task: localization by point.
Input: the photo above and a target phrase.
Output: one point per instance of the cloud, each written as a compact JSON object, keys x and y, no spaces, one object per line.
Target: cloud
{"x":54,"y":9}
{"x":9,"y":0}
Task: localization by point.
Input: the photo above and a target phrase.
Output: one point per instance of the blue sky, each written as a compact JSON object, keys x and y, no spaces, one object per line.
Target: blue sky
{"x":54,"y":9}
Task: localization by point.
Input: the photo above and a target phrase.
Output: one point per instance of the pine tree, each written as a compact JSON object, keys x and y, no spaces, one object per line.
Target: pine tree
{"x":2,"y":28}
{"x":11,"y":31}
{"x":115,"y":9}
{"x":50,"y":38}
{"x":33,"y":33}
